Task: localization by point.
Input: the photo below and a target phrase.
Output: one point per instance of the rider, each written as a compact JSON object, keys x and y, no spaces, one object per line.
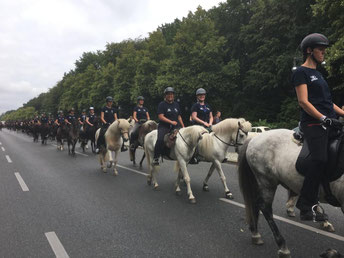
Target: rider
{"x":82,"y":117}
{"x":318,"y":118}
{"x":169,"y":116}
{"x":60,"y":118}
{"x":44,"y":119}
{"x":201,"y":114}
{"x":108,"y":115}
{"x":90,"y":119}
{"x":71,"y":117}
{"x":140,"y":115}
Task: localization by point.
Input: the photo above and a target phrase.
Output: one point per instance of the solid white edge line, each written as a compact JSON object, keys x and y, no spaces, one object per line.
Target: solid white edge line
{"x":3,"y":149}
{"x":8,"y":159}
{"x":21,"y":182}
{"x":133,"y":170}
{"x":56,"y":245}
{"x":315,"y":230}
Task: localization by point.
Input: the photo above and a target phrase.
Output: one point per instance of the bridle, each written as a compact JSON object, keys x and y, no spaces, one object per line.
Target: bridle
{"x":236,"y":144}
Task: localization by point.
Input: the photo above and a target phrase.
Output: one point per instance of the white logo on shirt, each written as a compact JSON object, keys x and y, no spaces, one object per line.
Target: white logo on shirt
{"x":169,"y":110}
{"x":175,"y":109}
{"x":313,"y":78}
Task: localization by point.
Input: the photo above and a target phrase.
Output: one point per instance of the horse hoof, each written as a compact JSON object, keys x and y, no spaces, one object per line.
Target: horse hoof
{"x":109,"y":165}
{"x":205,"y":188}
{"x":156,"y":187}
{"x":115,"y":173}
{"x":179,"y":193}
{"x":327,"y":226}
{"x":283,"y":253}
{"x":149,"y":181}
{"x":229,"y":195}
{"x":192,"y":201}
{"x":104,"y":170}
{"x":257,"y":239}
{"x":291,"y":213}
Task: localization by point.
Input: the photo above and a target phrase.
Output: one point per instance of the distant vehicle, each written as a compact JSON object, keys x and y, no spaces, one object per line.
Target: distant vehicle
{"x":258,"y":130}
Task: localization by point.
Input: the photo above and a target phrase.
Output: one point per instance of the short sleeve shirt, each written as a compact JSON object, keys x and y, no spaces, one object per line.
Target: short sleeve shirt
{"x":70,"y":118}
{"x":91,"y":118}
{"x":141,"y":112}
{"x":203,"y":111}
{"x":319,"y":94}
{"x":44,"y":120}
{"x":83,"y":118}
{"x":170,"y":110}
{"x":109,"y":114}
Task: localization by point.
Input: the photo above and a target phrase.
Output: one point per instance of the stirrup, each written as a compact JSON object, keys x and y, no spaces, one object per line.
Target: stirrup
{"x":321,"y":212}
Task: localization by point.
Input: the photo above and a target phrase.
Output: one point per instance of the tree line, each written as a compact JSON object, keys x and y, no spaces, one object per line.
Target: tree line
{"x":240,"y":51}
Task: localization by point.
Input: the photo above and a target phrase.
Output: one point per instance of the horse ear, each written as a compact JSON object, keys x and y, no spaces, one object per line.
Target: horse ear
{"x":240,"y":125}
{"x":118,"y":121}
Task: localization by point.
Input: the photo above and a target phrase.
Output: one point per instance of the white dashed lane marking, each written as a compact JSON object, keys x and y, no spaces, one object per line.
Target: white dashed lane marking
{"x":300,"y":225}
{"x":3,"y":149}
{"x":56,"y":245}
{"x":21,"y":182}
{"x":8,"y":159}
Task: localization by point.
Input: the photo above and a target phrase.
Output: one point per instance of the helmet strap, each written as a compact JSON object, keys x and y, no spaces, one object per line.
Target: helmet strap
{"x":314,"y":59}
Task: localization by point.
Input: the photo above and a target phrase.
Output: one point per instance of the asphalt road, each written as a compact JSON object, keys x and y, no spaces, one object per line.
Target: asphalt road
{"x":53,"y":204}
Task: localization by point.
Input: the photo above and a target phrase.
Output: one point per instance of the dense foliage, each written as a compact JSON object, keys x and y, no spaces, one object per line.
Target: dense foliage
{"x":241,"y":52}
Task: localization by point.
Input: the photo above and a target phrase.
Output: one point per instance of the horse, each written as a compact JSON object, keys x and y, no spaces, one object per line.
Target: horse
{"x":35,"y":131}
{"x":185,"y":144}
{"x":91,"y":134}
{"x":83,"y":137}
{"x":214,"y":148}
{"x":117,"y":132}
{"x":144,"y":129}
{"x":44,"y":130}
{"x":266,"y":161}
{"x":72,"y":136}
{"x":61,"y":134}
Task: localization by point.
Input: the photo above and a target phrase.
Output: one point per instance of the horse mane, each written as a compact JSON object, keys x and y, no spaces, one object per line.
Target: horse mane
{"x":233,"y":123}
{"x":149,"y":126}
{"x":193,"y":132}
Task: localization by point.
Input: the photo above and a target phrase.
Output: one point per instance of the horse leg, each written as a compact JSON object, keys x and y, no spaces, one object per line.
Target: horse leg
{"x":115,"y":163}
{"x":110,"y":159}
{"x":143,"y":157}
{"x":292,"y":198}
{"x":177,"y":184}
{"x":228,"y":194}
{"x":187,"y":180}
{"x":265,"y":205}
{"x":205,"y":182}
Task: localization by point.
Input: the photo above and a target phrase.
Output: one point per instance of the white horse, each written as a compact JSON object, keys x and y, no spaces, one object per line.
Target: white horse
{"x":184,"y":148}
{"x":266,"y":161}
{"x":214,"y":148}
{"x":114,"y":136}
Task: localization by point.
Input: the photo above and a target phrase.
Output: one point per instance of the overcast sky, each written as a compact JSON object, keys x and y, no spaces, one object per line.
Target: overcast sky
{"x":42,"y":39}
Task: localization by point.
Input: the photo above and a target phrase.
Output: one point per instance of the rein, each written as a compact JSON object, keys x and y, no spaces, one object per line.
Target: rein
{"x":185,"y":140}
{"x":236,"y":138}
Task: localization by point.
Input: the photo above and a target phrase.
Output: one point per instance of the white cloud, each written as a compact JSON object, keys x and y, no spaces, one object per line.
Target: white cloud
{"x":41,"y":39}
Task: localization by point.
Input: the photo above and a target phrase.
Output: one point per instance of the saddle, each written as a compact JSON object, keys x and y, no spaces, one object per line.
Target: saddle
{"x":170,"y":141}
{"x":335,"y":164}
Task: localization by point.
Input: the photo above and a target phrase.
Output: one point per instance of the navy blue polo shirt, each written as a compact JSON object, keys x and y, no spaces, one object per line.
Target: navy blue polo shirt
{"x":141,"y":112}
{"x":170,"y":110}
{"x":203,"y":111}
{"x":319,"y":94}
{"x":109,"y":114}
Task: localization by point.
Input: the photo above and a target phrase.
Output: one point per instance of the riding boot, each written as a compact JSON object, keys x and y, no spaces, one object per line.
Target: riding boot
{"x":124,"y":148}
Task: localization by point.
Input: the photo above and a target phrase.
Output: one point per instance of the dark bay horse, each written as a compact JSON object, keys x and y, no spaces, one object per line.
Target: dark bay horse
{"x":72,"y":136}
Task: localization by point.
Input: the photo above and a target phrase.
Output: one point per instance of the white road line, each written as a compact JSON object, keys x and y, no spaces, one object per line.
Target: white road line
{"x":133,"y":170}
{"x":0,"y":143}
{"x":21,"y":182}
{"x":56,"y":245}
{"x":8,"y":159}
{"x":315,"y":230}
{"x":3,"y":149}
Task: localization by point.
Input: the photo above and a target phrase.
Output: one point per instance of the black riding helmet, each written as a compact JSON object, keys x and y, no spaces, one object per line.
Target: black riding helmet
{"x":168,"y":90}
{"x":140,"y":98}
{"x":201,"y":91}
{"x":313,"y":40}
{"x":109,"y":99}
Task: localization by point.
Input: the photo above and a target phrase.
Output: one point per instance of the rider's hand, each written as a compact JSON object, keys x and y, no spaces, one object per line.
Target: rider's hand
{"x":332,"y":122}
{"x":174,"y":123}
{"x":206,"y":124}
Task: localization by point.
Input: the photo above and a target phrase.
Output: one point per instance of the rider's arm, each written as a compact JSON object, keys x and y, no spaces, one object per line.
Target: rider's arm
{"x":196,"y":119}
{"x":134,"y":116}
{"x":338,"y":110}
{"x":102,"y":117}
{"x":211,"y":118}
{"x":87,"y":118}
{"x":162,"y":118}
{"x":115,"y":116}
{"x":148,"y":117}
{"x":181,"y":121}
{"x":302,"y":97}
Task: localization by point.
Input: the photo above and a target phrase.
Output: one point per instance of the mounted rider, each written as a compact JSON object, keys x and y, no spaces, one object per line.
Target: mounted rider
{"x":170,"y":118}
{"x":140,"y":115}
{"x":82,"y":118}
{"x":91,"y":118}
{"x":71,"y":118}
{"x":108,"y":115}
{"x":201,"y":114}
{"x":318,"y":121}
{"x":60,"y":120}
{"x":44,"y":119}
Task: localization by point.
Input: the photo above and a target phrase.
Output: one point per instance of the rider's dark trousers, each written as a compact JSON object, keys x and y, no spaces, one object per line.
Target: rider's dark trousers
{"x":101,"y":138}
{"x":317,"y":138}
{"x":134,"y":135}
{"x":159,"y":145}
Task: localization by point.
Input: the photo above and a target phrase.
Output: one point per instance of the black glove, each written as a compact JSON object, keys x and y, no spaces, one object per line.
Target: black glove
{"x":332,"y":122}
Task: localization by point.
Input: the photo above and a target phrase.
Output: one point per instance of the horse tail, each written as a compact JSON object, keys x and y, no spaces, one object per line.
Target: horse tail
{"x":248,"y":185}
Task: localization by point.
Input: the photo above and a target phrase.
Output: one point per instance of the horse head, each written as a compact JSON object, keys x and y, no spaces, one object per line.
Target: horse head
{"x":123,"y":126}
